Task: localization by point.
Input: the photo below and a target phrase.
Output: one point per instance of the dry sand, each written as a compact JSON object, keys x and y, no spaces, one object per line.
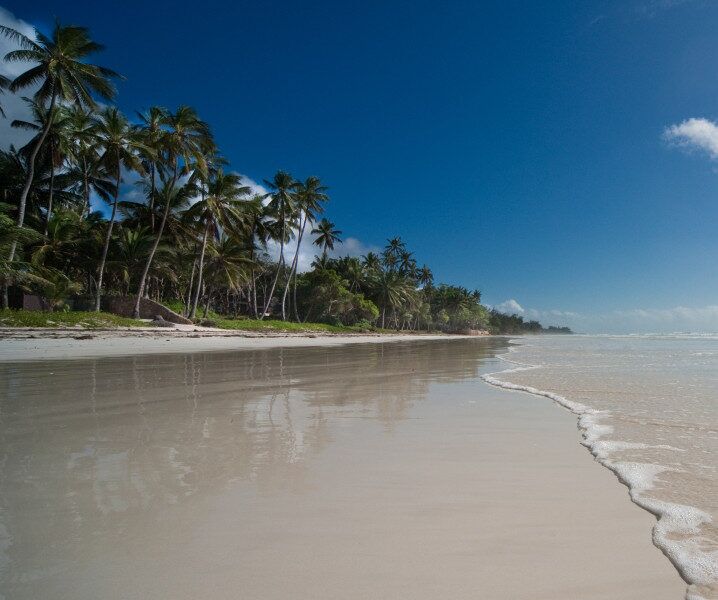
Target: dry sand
{"x":19,"y":344}
{"x":369,"y":471}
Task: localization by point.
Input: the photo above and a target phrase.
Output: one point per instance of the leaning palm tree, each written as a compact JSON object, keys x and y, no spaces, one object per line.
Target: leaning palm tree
{"x":327,"y":236}
{"x":259,"y":234}
{"x":220,"y":209}
{"x":184,"y":145}
{"x":54,"y":151}
{"x":310,"y":195}
{"x":171,"y":197}
{"x":62,"y":75}
{"x":120,"y":144}
{"x":282,"y":207}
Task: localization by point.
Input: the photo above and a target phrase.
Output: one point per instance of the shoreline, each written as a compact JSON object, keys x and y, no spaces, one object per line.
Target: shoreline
{"x":636,"y":478}
{"x":33,"y":344}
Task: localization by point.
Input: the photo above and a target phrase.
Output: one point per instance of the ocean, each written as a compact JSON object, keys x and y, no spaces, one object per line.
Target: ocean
{"x":647,"y":407}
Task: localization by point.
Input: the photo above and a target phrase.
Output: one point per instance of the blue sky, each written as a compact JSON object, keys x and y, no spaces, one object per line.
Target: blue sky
{"x":520,"y":148}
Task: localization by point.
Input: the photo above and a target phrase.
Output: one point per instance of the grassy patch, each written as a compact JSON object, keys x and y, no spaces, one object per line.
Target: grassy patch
{"x":87,"y":320}
{"x":273,"y":325}
{"x":248,"y":324}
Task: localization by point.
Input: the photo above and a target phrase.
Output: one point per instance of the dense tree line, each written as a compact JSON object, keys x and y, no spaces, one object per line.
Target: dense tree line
{"x":198,"y":237}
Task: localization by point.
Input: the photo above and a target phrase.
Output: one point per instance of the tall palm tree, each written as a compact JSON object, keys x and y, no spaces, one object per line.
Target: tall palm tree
{"x":83,"y":152}
{"x":282,"y":207}
{"x":55,"y":149}
{"x":327,"y":236}
{"x":310,"y":195}
{"x":151,"y":126}
{"x":425,"y":277}
{"x":171,"y":197}
{"x":184,"y":145}
{"x":259,"y":234}
{"x":221,"y":208}
{"x":62,"y":74}
{"x":120,"y":144}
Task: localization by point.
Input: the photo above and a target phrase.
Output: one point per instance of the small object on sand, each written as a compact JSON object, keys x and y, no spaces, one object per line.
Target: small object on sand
{"x":159,"y":321}
{"x":83,"y":337}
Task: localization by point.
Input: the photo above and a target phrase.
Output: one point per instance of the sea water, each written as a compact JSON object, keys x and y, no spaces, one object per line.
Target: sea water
{"x":647,"y":408}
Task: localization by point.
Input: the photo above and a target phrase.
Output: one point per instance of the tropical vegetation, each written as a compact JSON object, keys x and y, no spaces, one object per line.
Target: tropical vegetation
{"x":98,"y":203}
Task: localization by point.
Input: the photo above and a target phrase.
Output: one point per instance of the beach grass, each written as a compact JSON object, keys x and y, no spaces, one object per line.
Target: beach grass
{"x":83,"y":319}
{"x":243,"y":323}
{"x":283,"y":326}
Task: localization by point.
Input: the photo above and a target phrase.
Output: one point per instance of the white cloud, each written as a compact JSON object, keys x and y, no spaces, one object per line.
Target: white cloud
{"x":256,"y":189}
{"x":510,"y":307}
{"x":13,"y":104}
{"x":694,"y":134}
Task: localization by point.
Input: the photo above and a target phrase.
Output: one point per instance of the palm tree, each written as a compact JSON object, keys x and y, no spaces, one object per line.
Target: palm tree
{"x":282,"y":207}
{"x":15,"y":271}
{"x":171,"y":197}
{"x":425,"y":277}
{"x":153,"y":134}
{"x":391,"y":289}
{"x":55,"y":139}
{"x":130,"y":253}
{"x":392,"y":252}
{"x":83,"y":152}
{"x":372,"y":263}
{"x":327,"y":236}
{"x":186,"y":140}
{"x":226,"y":265}
{"x":221,"y":207}
{"x":4,"y":83}
{"x":259,"y":234}
{"x":310,"y":195}
{"x":62,"y":74}
{"x":120,"y":144}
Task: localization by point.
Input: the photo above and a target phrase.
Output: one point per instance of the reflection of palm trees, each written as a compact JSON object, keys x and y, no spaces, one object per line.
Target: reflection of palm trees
{"x":103,"y":440}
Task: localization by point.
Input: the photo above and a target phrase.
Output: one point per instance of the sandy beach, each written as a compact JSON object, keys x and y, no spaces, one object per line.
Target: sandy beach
{"x":344,"y":471}
{"x":18,"y":344}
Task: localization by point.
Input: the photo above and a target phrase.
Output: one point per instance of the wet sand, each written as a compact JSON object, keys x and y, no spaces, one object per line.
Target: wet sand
{"x":356,"y":471}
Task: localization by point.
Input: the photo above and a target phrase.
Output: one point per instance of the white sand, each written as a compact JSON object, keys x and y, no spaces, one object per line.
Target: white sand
{"x":354,"y":472}
{"x":19,"y":345}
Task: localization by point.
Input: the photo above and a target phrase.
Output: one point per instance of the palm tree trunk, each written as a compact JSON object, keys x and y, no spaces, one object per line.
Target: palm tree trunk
{"x":255,"y":308}
{"x":108,"y":237}
{"x":195,"y":301}
{"x":190,"y":288}
{"x":52,"y":186}
{"x":85,"y":187}
{"x":136,"y":310}
{"x":206,"y":304}
{"x":152,"y":196}
{"x":293,"y":271}
{"x":31,"y":173}
{"x":268,"y":300}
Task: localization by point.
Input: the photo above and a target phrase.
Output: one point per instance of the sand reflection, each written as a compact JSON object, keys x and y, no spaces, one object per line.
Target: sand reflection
{"x":90,"y":447}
